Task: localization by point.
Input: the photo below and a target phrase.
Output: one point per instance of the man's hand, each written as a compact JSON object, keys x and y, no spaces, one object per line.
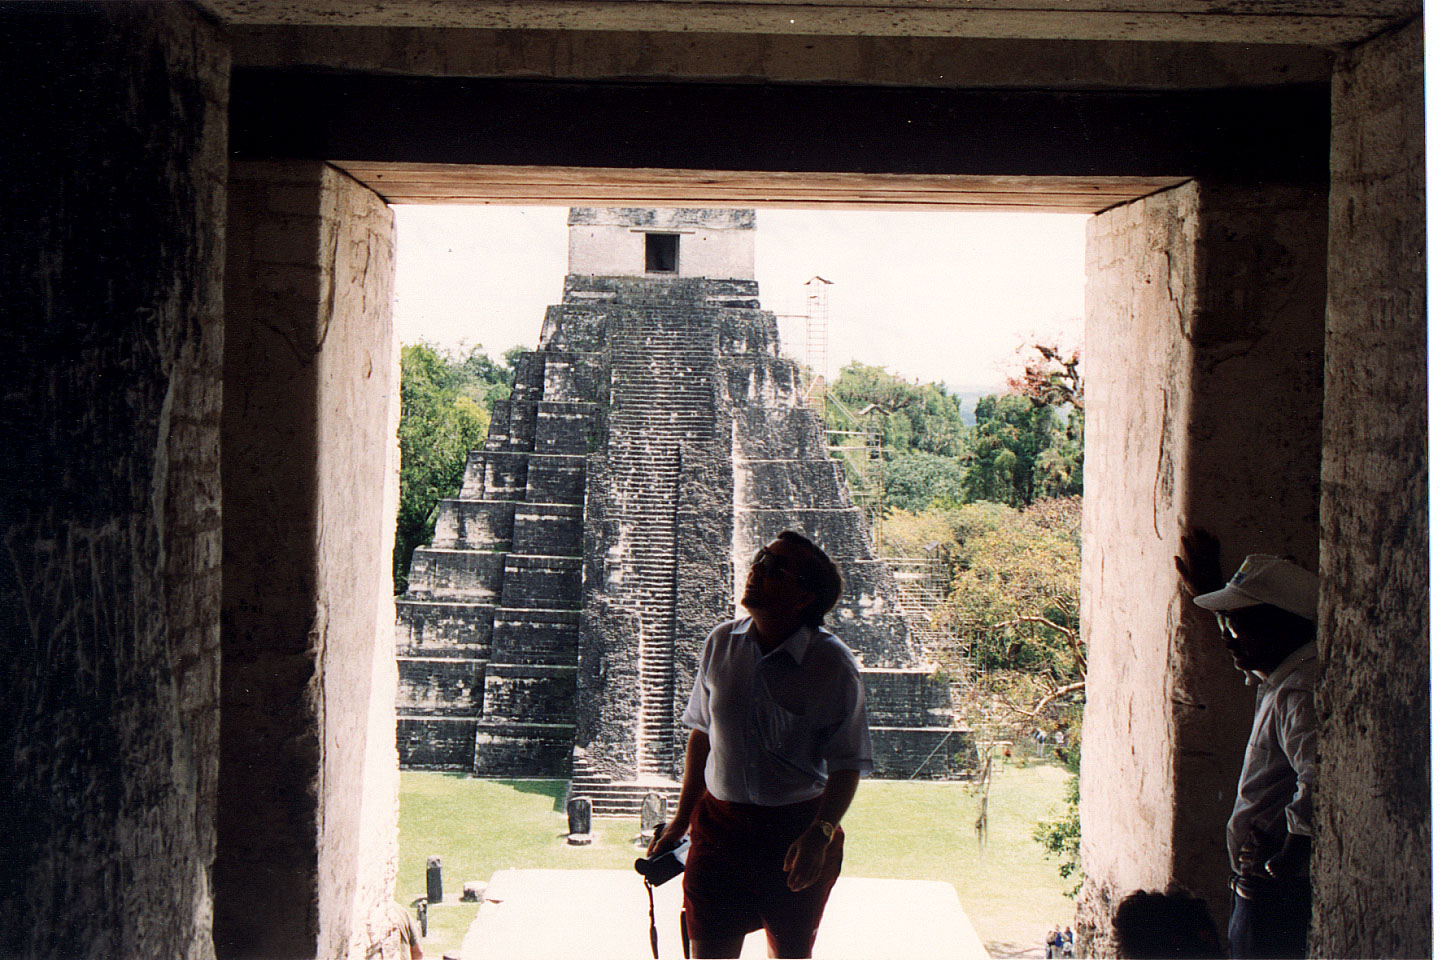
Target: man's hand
{"x":1291,"y":859}
{"x":1199,"y":562}
{"x":806,"y":857}
{"x":1255,"y":852}
{"x":668,"y":838}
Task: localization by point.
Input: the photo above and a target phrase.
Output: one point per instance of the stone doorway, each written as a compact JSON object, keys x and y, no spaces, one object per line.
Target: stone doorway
{"x":1166,"y":263}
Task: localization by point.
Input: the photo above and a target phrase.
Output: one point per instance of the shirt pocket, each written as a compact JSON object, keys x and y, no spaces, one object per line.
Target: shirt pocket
{"x":783,"y":732}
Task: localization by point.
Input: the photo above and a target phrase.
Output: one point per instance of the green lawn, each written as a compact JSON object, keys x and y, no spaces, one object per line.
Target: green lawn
{"x":918,"y":831}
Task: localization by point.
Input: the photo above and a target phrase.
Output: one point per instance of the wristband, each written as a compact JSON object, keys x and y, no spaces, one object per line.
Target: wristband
{"x":826,"y":827}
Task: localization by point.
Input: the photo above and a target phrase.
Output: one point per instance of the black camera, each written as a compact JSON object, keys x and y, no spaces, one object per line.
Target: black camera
{"x":663,"y":866}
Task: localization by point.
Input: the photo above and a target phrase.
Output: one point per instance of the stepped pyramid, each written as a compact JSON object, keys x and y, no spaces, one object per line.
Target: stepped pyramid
{"x":653,"y":442}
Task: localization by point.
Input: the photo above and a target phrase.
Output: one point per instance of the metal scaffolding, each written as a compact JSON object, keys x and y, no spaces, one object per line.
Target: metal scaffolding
{"x":857,"y":443}
{"x":817,"y":339}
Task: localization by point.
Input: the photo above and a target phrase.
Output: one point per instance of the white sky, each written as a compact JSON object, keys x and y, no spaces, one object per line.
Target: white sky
{"x":945,"y":297}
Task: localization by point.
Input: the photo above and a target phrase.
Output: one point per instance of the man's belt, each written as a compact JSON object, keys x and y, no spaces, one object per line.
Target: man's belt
{"x":1269,"y":888}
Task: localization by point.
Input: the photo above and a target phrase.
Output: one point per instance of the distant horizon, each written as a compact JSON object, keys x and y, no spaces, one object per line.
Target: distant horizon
{"x":940,"y":297}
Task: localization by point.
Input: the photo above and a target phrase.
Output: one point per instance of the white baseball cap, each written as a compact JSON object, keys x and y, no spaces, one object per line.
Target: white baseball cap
{"x":1263,"y":578}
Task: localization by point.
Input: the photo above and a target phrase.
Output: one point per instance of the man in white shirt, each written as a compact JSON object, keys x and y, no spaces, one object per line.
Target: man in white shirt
{"x":778,"y":743}
{"x":1267,"y":616}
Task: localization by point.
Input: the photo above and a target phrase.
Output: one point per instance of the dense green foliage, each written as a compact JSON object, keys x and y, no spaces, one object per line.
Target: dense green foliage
{"x":1017,"y":596}
{"x":1018,"y":449}
{"x":445,"y":401}
{"x":912,"y":417}
{"x":1010,"y":627}
{"x":912,"y":481}
{"x":1013,"y":575}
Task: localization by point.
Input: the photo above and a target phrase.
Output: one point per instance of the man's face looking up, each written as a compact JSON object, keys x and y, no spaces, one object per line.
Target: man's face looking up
{"x":773,"y":584}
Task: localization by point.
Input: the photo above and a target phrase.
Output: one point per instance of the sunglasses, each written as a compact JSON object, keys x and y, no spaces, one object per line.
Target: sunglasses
{"x":772,"y":563}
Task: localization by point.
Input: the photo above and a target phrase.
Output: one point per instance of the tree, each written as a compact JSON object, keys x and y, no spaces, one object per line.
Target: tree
{"x":1010,"y":434}
{"x":945,"y":530}
{"x":1011,"y":610}
{"x":1018,"y":595}
{"x":1052,"y":380}
{"x":913,"y":481}
{"x":913,"y":417}
{"x":445,"y":402}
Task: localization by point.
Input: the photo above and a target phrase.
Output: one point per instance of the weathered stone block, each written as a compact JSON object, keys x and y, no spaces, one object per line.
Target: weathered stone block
{"x":906,"y":698}
{"x":579,"y":327}
{"x":436,"y":743}
{"x":1374,"y":813}
{"x":570,"y":376}
{"x":506,"y":473}
{"x":546,"y":582}
{"x":499,"y":435}
{"x":535,"y":636}
{"x":904,"y":753}
{"x":504,"y":749}
{"x":802,"y":484}
{"x":443,"y":628}
{"x":475,"y":524}
{"x":520,"y":427}
{"x":525,"y":691}
{"x":473,"y":576}
{"x":529,"y":385}
{"x":548,"y":529}
{"x":444,"y":686}
{"x":555,"y":479}
{"x":563,"y":427}
{"x":840,"y":531}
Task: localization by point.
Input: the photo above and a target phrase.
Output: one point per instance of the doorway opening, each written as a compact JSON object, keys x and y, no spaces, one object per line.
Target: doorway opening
{"x":662,"y":252}
{"x":1168,"y":409}
{"x":904,"y":309}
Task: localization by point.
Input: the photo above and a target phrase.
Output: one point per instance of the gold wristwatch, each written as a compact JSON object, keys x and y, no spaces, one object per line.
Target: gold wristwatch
{"x":827,"y":828}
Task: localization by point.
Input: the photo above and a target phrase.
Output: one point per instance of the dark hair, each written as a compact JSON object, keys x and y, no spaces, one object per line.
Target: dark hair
{"x":818,"y":574}
{"x":1150,"y":925}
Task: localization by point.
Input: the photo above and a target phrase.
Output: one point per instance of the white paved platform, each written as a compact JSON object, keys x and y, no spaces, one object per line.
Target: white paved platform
{"x":603,"y":914}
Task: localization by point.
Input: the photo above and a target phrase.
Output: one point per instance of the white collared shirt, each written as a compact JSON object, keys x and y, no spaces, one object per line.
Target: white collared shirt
{"x":1277,"y":781}
{"x":778,"y":723}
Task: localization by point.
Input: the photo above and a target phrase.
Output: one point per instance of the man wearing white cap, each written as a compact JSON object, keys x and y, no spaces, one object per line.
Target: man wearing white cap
{"x":1266,"y":614}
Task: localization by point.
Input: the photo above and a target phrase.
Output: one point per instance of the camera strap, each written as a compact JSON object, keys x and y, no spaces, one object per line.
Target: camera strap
{"x":654,"y":934}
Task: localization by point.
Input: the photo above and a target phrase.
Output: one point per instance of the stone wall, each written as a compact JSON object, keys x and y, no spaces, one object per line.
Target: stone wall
{"x":308,"y":782}
{"x":113,"y":210}
{"x":1372,"y":861}
{"x":1203,"y":339}
{"x":610,"y":241}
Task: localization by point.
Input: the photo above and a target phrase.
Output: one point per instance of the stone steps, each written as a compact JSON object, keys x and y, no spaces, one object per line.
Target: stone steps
{"x":648,"y":422}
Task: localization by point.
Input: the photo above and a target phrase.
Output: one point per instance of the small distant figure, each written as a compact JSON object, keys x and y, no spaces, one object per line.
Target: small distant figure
{"x":409,"y":936}
{"x":1051,"y":939}
{"x":1039,"y":742}
{"x":1150,"y":925}
{"x":1068,"y":938}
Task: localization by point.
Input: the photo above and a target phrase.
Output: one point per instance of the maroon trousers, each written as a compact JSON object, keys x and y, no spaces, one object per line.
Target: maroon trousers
{"x":735,"y":876}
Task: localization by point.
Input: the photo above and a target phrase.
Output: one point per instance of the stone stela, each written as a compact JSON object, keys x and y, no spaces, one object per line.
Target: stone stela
{"x":653,"y":442}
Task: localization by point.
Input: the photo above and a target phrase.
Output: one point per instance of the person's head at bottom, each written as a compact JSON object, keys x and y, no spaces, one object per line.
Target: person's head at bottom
{"x":1150,"y":925}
